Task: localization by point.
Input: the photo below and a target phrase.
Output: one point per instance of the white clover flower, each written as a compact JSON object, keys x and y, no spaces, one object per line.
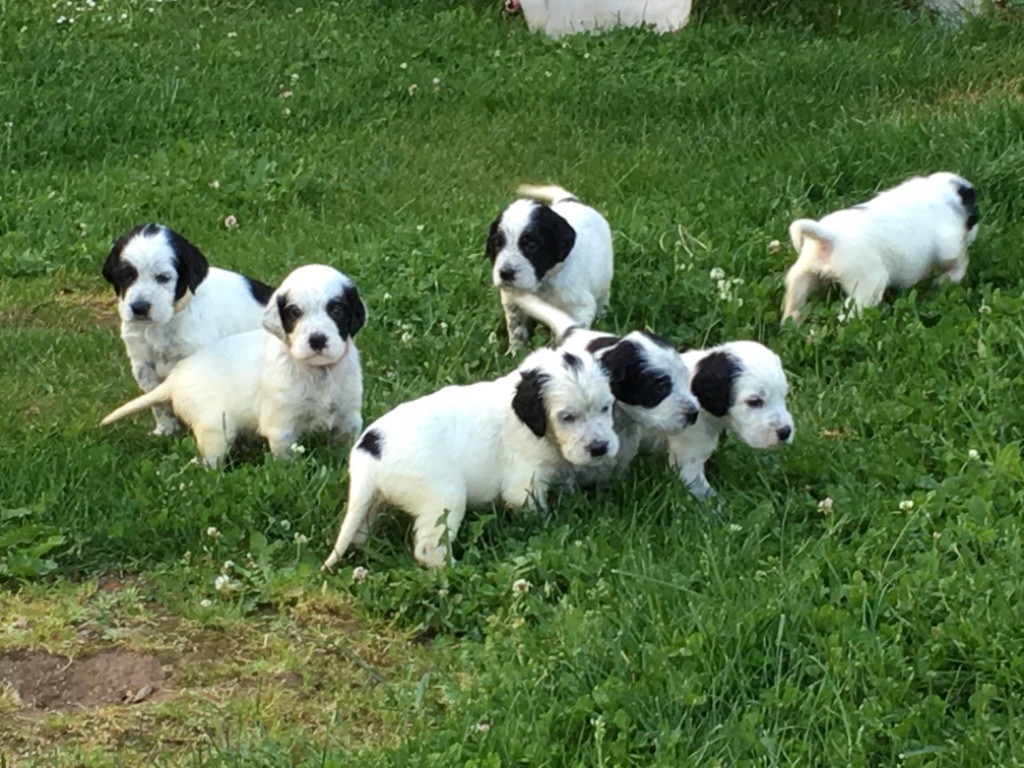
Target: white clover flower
{"x":774,"y":246}
{"x":214,"y":184}
{"x":297,"y":448}
{"x":735,"y":527}
{"x":284,"y":95}
{"x":443,"y":325}
{"x":973,"y":455}
{"x":230,"y":34}
{"x":286,"y":112}
{"x":436,"y":82}
{"x":825,"y":505}
{"x":230,"y":222}
{"x":359,"y":573}
{"x":227,"y":566}
{"x":936,"y":535}
{"x":717,"y":273}
{"x":403,"y":65}
{"x":413,"y":89}
{"x":205,"y":602}
{"x":420,"y":227}
{"x":406,"y":337}
{"x":547,"y":74}
{"x":520,"y":587}
{"x":907,"y":505}
{"x":286,"y":525}
{"x":224,"y":584}
{"x":481,"y":727}
{"x":213,"y":533}
{"x":300,"y":539}
{"x":985,"y":309}
{"x":386,"y":296}
{"x":295,"y":75}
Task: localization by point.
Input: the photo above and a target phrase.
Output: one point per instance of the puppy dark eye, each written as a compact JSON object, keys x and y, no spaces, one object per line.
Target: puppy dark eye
{"x":755,"y":402}
{"x":568,"y":418}
{"x":293,"y":313}
{"x":606,"y":409}
{"x":163,"y":279}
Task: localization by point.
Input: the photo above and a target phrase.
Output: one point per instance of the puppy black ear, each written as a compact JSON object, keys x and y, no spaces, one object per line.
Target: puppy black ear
{"x":528,"y":401}
{"x":712,"y":382}
{"x":495,"y":240}
{"x":970,"y":203}
{"x":273,"y":319}
{"x":190,"y":263}
{"x":631,"y":380}
{"x":560,"y":236}
{"x":348,"y":312}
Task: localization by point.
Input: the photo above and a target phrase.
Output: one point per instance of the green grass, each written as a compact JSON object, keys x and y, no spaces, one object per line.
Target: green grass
{"x":653,"y":634}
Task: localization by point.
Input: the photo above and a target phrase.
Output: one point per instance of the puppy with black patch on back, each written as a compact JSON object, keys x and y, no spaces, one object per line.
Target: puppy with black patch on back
{"x":741,"y":388}
{"x":559,"y":249}
{"x":298,"y":373}
{"x":648,"y":377}
{"x":172,"y":303}
{"x":898,"y":238}
{"x":466,"y":446}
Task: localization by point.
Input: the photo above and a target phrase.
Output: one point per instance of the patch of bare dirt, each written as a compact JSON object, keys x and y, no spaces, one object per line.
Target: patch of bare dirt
{"x":52,"y":682}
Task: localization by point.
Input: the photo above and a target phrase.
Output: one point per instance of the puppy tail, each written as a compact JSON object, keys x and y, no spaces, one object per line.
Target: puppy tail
{"x":160,"y":394}
{"x":808,"y":229}
{"x":362,"y":495}
{"x":550,"y":193}
{"x":559,"y":322}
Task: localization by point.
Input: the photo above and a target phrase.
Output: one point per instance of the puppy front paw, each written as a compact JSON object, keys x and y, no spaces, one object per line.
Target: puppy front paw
{"x":431,"y":555}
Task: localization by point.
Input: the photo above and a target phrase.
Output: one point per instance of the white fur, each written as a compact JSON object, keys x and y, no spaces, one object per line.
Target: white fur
{"x":221,"y":304}
{"x":580,"y":285}
{"x":756,"y":411}
{"x":466,"y":446}
{"x":268,"y":381}
{"x":902,"y":236}
{"x":657,"y":361}
{"x":564,"y":17}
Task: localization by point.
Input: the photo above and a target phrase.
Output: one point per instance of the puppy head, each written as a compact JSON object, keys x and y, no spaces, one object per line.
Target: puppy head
{"x":567,"y":399}
{"x":743,"y":383}
{"x":649,"y":379}
{"x":528,"y":242}
{"x":315,"y":311}
{"x":154,"y":272}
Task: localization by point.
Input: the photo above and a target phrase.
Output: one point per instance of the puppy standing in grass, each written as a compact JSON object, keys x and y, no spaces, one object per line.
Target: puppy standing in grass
{"x":300,"y":372}
{"x":172,"y":303}
{"x":905,"y":234}
{"x":561,"y":251}
{"x":649,"y":380}
{"x":471,"y":445}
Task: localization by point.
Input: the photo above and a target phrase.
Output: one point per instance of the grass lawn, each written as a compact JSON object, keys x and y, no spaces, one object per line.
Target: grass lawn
{"x":859,"y":600}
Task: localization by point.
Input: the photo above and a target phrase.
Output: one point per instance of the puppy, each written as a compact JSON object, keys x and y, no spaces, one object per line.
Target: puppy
{"x":648,"y":378}
{"x":741,"y":387}
{"x":568,"y":16}
{"x":172,"y":303}
{"x":471,"y":445}
{"x":561,"y":251}
{"x":300,"y":372}
{"x":905,"y":234}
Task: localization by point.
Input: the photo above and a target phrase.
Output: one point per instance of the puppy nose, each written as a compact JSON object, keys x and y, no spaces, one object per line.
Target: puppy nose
{"x":140,"y":308}
{"x":784,"y":433}
{"x":507,"y":274}
{"x":598,"y":449}
{"x":691,"y":416}
{"x":317,"y":342}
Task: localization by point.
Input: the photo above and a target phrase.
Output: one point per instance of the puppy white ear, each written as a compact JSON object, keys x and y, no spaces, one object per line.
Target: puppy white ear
{"x":272,"y":322}
{"x":808,"y":229}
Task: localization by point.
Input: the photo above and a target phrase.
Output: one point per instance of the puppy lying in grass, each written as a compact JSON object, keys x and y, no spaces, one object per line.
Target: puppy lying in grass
{"x":649,"y":379}
{"x":561,"y":251}
{"x":300,"y":372}
{"x":898,"y":238}
{"x":472,"y":445}
{"x":742,"y":388}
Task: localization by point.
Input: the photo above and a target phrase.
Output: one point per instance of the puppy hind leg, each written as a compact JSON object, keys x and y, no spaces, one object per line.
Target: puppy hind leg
{"x":437,"y":524}
{"x":866,"y":292}
{"x":213,"y":443}
{"x":801,"y":281}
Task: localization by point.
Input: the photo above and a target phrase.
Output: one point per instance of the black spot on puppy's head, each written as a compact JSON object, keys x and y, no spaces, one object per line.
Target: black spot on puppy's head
{"x":118,"y":272}
{"x":495,"y":240}
{"x":372,"y":442}
{"x":189,"y":262}
{"x":633,"y":380}
{"x":528,"y":401}
{"x":260,"y":291}
{"x":546,"y":240}
{"x":289,"y":313}
{"x":712,"y":382}
{"x":601,"y":342}
{"x":347,"y":311}
{"x":571,"y":362}
{"x":969,"y":200}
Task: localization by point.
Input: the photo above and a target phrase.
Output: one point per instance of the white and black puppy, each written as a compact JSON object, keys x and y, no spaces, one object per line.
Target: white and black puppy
{"x":567,"y":17}
{"x":560,"y":251}
{"x":648,"y":378}
{"x":742,"y":388}
{"x":916,"y":230}
{"x":300,"y":372}
{"x":465,"y":446}
{"x":172,"y":303}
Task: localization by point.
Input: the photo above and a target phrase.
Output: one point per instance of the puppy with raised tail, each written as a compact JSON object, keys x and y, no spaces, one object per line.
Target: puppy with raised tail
{"x":466,"y":446}
{"x":173,"y":303}
{"x":298,"y":373}
{"x":559,"y":249}
{"x":648,"y":378}
{"x":902,"y":236}
{"x":741,"y":388}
